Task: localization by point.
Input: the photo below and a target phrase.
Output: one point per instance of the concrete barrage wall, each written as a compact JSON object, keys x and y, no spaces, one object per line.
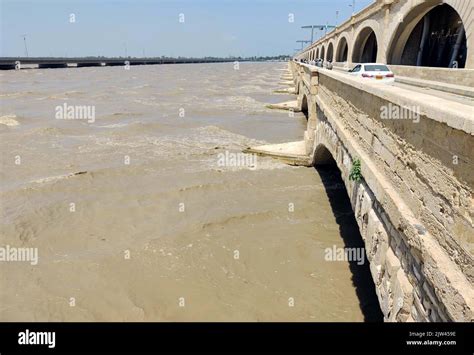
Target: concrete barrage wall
{"x":414,"y":204}
{"x":464,"y":77}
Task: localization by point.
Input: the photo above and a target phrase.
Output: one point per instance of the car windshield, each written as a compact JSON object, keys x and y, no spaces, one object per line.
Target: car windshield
{"x":374,"y":67}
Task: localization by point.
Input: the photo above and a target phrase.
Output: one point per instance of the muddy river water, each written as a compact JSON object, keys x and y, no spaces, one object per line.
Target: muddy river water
{"x":135,"y":218}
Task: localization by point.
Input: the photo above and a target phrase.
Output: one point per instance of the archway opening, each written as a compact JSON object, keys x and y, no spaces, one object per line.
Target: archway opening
{"x":304,"y":106}
{"x":330,"y":54}
{"x":365,"y":47}
{"x":435,"y":39}
{"x":323,"y":157}
{"x":317,"y":53}
{"x":322,"y":53}
{"x":342,"y":50}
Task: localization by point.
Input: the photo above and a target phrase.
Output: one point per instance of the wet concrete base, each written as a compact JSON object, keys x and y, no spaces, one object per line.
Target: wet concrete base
{"x":287,"y":105}
{"x":290,"y":91}
{"x":292,"y":153}
{"x":287,"y":82}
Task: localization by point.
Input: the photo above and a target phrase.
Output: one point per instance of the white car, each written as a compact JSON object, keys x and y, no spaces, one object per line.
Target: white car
{"x":374,"y":72}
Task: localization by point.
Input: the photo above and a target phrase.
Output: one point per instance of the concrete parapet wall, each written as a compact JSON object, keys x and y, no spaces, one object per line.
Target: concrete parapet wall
{"x":414,"y":205}
{"x":463,"y":77}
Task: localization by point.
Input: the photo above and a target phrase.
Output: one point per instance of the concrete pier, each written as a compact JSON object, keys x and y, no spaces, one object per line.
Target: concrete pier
{"x":287,"y":105}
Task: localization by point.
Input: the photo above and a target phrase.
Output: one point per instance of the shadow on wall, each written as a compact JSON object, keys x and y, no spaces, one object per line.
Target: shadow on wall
{"x":365,"y":47}
{"x":304,"y":106}
{"x":436,"y":40}
{"x":349,"y":230}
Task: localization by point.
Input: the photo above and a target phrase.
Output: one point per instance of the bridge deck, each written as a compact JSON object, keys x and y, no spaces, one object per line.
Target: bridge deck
{"x":454,"y":110}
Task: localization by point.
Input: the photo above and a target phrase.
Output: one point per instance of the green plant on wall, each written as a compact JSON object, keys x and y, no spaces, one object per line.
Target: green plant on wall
{"x":356,"y":171}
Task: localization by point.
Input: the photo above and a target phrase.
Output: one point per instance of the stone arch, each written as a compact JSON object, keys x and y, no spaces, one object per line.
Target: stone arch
{"x":323,"y":57}
{"x":330,"y":53}
{"x":317,"y":53}
{"x":304,"y":106}
{"x":365,"y":46}
{"x":431,"y":34}
{"x":322,"y":156}
{"x":342,"y":49}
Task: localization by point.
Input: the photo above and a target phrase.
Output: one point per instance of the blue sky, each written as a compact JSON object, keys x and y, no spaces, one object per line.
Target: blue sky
{"x":116,"y":27}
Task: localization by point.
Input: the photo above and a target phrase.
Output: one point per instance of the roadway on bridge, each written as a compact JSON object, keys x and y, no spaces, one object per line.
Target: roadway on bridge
{"x":465,"y":100}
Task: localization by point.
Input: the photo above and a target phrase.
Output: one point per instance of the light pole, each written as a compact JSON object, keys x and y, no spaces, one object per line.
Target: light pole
{"x":312,"y":30}
{"x":353,"y":7}
{"x":319,"y":27}
{"x":326,"y":27}
{"x":26,"y":48}
{"x":303,"y":43}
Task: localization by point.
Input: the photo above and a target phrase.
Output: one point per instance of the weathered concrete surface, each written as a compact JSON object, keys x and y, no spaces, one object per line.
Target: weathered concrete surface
{"x":414,"y":205}
{"x":462,"y":77}
{"x":458,"y":82}
{"x":287,"y":82}
{"x":287,"y":105}
{"x":293,"y":153}
{"x":467,"y":91}
{"x":454,"y":114}
{"x":290,"y":91}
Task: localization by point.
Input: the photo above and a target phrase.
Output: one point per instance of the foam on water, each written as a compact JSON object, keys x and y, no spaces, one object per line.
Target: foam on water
{"x":9,"y":120}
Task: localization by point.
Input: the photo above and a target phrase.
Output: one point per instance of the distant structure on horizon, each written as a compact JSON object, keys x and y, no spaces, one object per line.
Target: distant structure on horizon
{"x":9,"y":63}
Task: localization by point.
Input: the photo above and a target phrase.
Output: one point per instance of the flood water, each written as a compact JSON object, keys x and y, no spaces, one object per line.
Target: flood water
{"x":135,"y":218}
